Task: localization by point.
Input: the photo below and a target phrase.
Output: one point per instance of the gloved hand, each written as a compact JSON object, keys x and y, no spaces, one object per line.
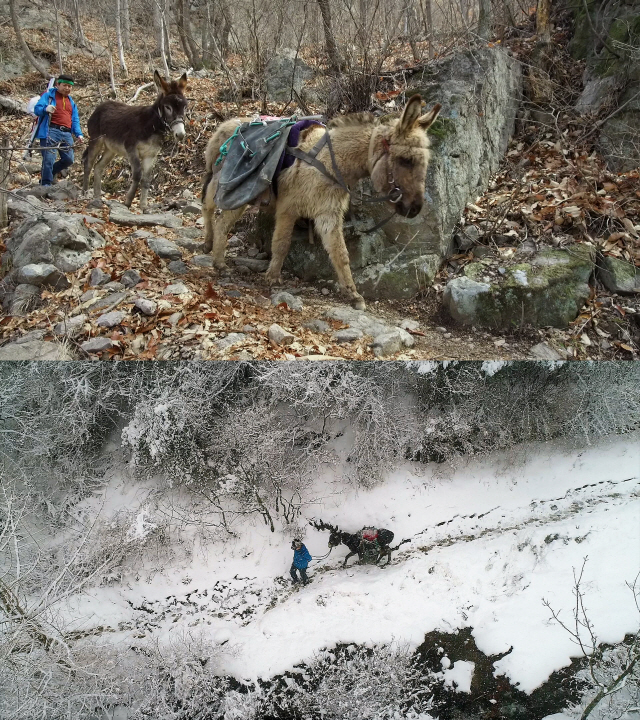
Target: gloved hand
{"x":50,"y":109}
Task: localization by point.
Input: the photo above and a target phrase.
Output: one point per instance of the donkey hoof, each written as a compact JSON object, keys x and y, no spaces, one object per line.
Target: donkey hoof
{"x":358,"y":303}
{"x":272,"y":278}
{"x":207,"y":247}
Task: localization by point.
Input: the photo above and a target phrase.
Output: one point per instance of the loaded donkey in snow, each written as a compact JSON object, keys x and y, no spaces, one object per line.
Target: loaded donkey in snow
{"x":369,"y":544}
{"x":135,"y":133}
{"x":315,"y":178}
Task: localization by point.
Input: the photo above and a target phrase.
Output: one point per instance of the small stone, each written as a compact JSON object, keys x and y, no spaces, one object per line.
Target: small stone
{"x":441,"y":329}
{"x":130,"y":278}
{"x":178,"y":267}
{"x":543,"y":351}
{"x":252,"y":264}
{"x":252,"y":251}
{"x":71,"y":326}
{"x":164,"y":248}
{"x":202,"y":260}
{"x":200,"y":222}
{"x":230,"y":339}
{"x":262,"y":256}
{"x":141,"y":234}
{"x":347,"y":335}
{"x":391,"y":342}
{"x":280,"y":336}
{"x":447,"y":335}
{"x":234,"y":241}
{"x":249,"y":329}
{"x":98,"y":277}
{"x":35,"y":350}
{"x":319,"y":326}
{"x":114,"y":286}
{"x":409,"y":324}
{"x":192,"y":208}
{"x":292,"y":302}
{"x":188,"y":195}
{"x":178,"y":288}
{"x":175,"y":318}
{"x":89,"y":295}
{"x":325,"y":291}
{"x":42,"y":274}
{"x":96,"y":345}
{"x":111,"y":319}
{"x":96,"y":203}
{"x":146,"y":306}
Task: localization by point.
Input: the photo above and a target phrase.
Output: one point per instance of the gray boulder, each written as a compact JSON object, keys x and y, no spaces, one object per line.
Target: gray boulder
{"x":35,"y":350}
{"x":57,"y":238}
{"x":39,"y":274}
{"x":619,"y":276}
{"x":121,"y":215}
{"x":23,"y":299}
{"x":549,"y":290}
{"x":285,"y":72}
{"x":64,"y":190}
{"x":164,"y":248}
{"x":479,"y":91}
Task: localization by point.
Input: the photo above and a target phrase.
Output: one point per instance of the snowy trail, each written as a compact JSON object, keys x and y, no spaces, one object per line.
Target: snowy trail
{"x":488,"y":544}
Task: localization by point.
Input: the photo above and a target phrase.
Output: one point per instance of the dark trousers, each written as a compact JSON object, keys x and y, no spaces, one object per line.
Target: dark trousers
{"x":303,"y":574}
{"x":50,"y":166}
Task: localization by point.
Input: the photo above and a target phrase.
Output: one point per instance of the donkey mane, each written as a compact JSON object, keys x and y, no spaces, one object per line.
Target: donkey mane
{"x":359,"y":118}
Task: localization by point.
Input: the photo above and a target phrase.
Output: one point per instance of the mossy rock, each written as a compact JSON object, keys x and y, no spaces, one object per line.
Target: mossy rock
{"x":548,"y":291}
{"x":619,"y":276}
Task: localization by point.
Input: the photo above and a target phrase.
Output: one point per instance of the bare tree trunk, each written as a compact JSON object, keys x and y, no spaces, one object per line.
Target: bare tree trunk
{"x":429,"y":21}
{"x":543,"y":21}
{"x":80,"y":39}
{"x":112,"y":79}
{"x":126,"y":25}
{"x":121,"y":58}
{"x":167,"y":35}
{"x":485,"y":19}
{"x":412,"y":31}
{"x":158,"y":26}
{"x":335,"y":61}
{"x":362,"y":29}
{"x":39,"y":66}
{"x":5,"y":157}
{"x":58,"y":41}
{"x":183,"y":19}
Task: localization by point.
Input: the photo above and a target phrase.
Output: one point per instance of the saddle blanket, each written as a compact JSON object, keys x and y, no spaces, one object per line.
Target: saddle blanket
{"x":253,"y":157}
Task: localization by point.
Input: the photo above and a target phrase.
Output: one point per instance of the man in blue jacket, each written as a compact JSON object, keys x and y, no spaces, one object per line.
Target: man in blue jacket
{"x":301,"y":559}
{"x":58,"y":120}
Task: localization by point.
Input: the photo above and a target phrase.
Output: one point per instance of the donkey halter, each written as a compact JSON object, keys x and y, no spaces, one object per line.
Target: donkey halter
{"x":396,"y":193}
{"x":168,"y":126}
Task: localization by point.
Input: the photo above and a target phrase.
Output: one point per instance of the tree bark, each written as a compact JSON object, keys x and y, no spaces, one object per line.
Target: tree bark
{"x":80,"y":39}
{"x":58,"y":39}
{"x":543,"y":20}
{"x":5,"y":158}
{"x":485,"y":19}
{"x":126,"y":25}
{"x":119,"y":41}
{"x":30,"y":57}
{"x":335,"y":61}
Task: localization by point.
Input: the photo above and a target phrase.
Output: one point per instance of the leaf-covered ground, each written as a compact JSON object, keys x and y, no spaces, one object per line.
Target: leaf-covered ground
{"x":552,"y":189}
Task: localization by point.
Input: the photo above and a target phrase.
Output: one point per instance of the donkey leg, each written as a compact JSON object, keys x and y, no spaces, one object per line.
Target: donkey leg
{"x":351,"y":554}
{"x":136,"y":176}
{"x":107,"y":157}
{"x":280,"y":243}
{"x":88,"y":161}
{"x":147,"y":163}
{"x":220,"y":226}
{"x":329,"y":227}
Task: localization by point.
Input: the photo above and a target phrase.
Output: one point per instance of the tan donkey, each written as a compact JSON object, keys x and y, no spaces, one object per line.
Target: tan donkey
{"x":393,"y":152}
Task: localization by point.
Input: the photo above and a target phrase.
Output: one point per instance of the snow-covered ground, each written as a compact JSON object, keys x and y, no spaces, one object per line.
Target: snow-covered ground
{"x":489,"y":541}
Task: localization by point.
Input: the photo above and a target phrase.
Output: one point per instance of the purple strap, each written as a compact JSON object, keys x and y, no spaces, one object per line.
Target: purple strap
{"x":286,"y":160}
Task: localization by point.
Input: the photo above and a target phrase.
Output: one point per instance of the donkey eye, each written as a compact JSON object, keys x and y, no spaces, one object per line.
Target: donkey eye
{"x":405,"y":162}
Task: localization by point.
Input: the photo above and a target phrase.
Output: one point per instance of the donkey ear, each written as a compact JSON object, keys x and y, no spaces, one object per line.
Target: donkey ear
{"x":410,"y":114}
{"x":161,"y":83}
{"x":182,"y":82}
{"x":427,"y":120}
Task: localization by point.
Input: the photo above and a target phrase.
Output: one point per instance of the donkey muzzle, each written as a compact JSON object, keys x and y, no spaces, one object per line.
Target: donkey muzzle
{"x":408,"y":210}
{"x":177,"y":128}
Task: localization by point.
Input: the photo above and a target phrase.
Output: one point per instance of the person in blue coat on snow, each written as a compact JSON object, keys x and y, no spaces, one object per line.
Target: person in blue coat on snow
{"x":301,"y":559}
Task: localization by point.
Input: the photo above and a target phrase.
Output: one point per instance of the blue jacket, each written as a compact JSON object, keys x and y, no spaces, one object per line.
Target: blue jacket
{"x":49,"y":98}
{"x":301,"y":558}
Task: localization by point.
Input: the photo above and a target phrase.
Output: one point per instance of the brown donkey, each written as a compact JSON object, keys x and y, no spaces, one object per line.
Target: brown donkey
{"x":393,"y":152}
{"x":135,"y":133}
